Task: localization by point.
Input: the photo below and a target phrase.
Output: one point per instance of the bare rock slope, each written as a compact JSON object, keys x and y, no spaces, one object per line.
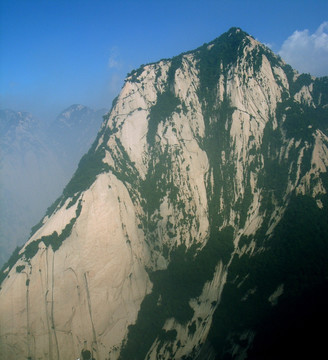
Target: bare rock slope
{"x":198,"y":215}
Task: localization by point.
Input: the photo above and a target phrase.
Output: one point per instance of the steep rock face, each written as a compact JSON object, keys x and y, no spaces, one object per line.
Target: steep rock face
{"x":183,"y":231}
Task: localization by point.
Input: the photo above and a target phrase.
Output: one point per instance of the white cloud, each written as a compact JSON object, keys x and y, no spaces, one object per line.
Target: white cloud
{"x":307,"y":53}
{"x":113,"y":58}
{"x":115,"y":84}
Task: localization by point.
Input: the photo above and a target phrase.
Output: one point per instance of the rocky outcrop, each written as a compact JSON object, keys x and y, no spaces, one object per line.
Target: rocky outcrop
{"x":173,"y":239}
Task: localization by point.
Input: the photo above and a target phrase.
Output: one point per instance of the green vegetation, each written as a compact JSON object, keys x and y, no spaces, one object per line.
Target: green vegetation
{"x":172,"y":290}
{"x":156,"y":185}
{"x":257,"y":58}
{"x":86,"y":355}
{"x":89,"y":167}
{"x":114,"y":102}
{"x":10,"y":263}
{"x":217,"y":139}
{"x":125,"y":169}
{"x":223,"y":51}
{"x":320,"y":91}
{"x":192,"y":328}
{"x":273,"y":177}
{"x":302,"y":120}
{"x":296,"y":85}
{"x":243,"y":203}
{"x":299,"y":116}
{"x":166,"y":104}
{"x":31,"y":249}
{"x":20,"y":268}
{"x":302,"y":80}
{"x":176,"y":63}
{"x":136,"y":73}
{"x":49,"y":211}
{"x":54,"y":239}
{"x":295,"y":256}
{"x":36,"y":227}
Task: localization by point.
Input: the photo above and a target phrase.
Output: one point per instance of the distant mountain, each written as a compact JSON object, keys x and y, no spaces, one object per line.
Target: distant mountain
{"x":24,"y":178}
{"x":15,"y":126}
{"x":73,"y":132}
{"x":35,"y":164}
{"x":195,"y":227}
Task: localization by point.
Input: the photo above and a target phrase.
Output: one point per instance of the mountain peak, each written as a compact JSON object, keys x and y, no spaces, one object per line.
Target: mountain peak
{"x":183,"y":231}
{"x":236,"y":30}
{"x":65,"y":114}
{"x":233,"y":34}
{"x":11,"y":121}
{"x":76,"y":107}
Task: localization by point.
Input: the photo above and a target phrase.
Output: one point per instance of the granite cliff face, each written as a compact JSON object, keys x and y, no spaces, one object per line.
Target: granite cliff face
{"x":198,"y":215}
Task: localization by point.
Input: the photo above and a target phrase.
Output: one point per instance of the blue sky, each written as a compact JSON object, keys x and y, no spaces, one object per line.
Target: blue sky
{"x":55,"y":53}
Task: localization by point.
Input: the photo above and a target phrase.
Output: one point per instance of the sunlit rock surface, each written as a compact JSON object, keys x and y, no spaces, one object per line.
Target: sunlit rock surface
{"x":198,"y":215}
